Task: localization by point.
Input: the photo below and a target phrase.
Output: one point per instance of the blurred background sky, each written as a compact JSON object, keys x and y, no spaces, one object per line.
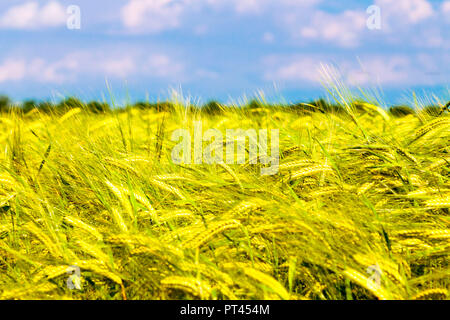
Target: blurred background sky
{"x":222,"y":49}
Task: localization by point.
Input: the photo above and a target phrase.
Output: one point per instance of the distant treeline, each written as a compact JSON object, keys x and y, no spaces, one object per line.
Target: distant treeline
{"x":211,"y":107}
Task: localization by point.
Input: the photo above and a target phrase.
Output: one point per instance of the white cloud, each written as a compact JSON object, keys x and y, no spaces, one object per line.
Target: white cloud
{"x":413,"y":23}
{"x":301,"y":69}
{"x":251,"y":7}
{"x":392,"y":70}
{"x":404,"y":11}
{"x":201,"y":30}
{"x":344,"y":28}
{"x":445,"y":10}
{"x":400,"y":70}
{"x":152,"y":15}
{"x":51,"y":72}
{"x":90,"y":63}
{"x":430,"y":37}
{"x":30,"y":15}
{"x":37,"y":69}
{"x":162,"y":66}
{"x":12,"y":70}
{"x":446,"y":7}
{"x":387,"y":70}
{"x":348,"y":28}
{"x":268,"y":37}
{"x":118,"y":67}
{"x":127,"y":64}
{"x":246,"y":6}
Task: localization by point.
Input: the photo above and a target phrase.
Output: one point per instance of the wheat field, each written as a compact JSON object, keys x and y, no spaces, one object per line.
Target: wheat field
{"x":360,"y":194}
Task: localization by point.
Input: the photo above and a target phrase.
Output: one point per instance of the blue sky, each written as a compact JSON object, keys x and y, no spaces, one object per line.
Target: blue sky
{"x":223,"y":49}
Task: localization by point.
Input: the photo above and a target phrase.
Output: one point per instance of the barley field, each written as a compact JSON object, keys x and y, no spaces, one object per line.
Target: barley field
{"x":359,"y":208}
